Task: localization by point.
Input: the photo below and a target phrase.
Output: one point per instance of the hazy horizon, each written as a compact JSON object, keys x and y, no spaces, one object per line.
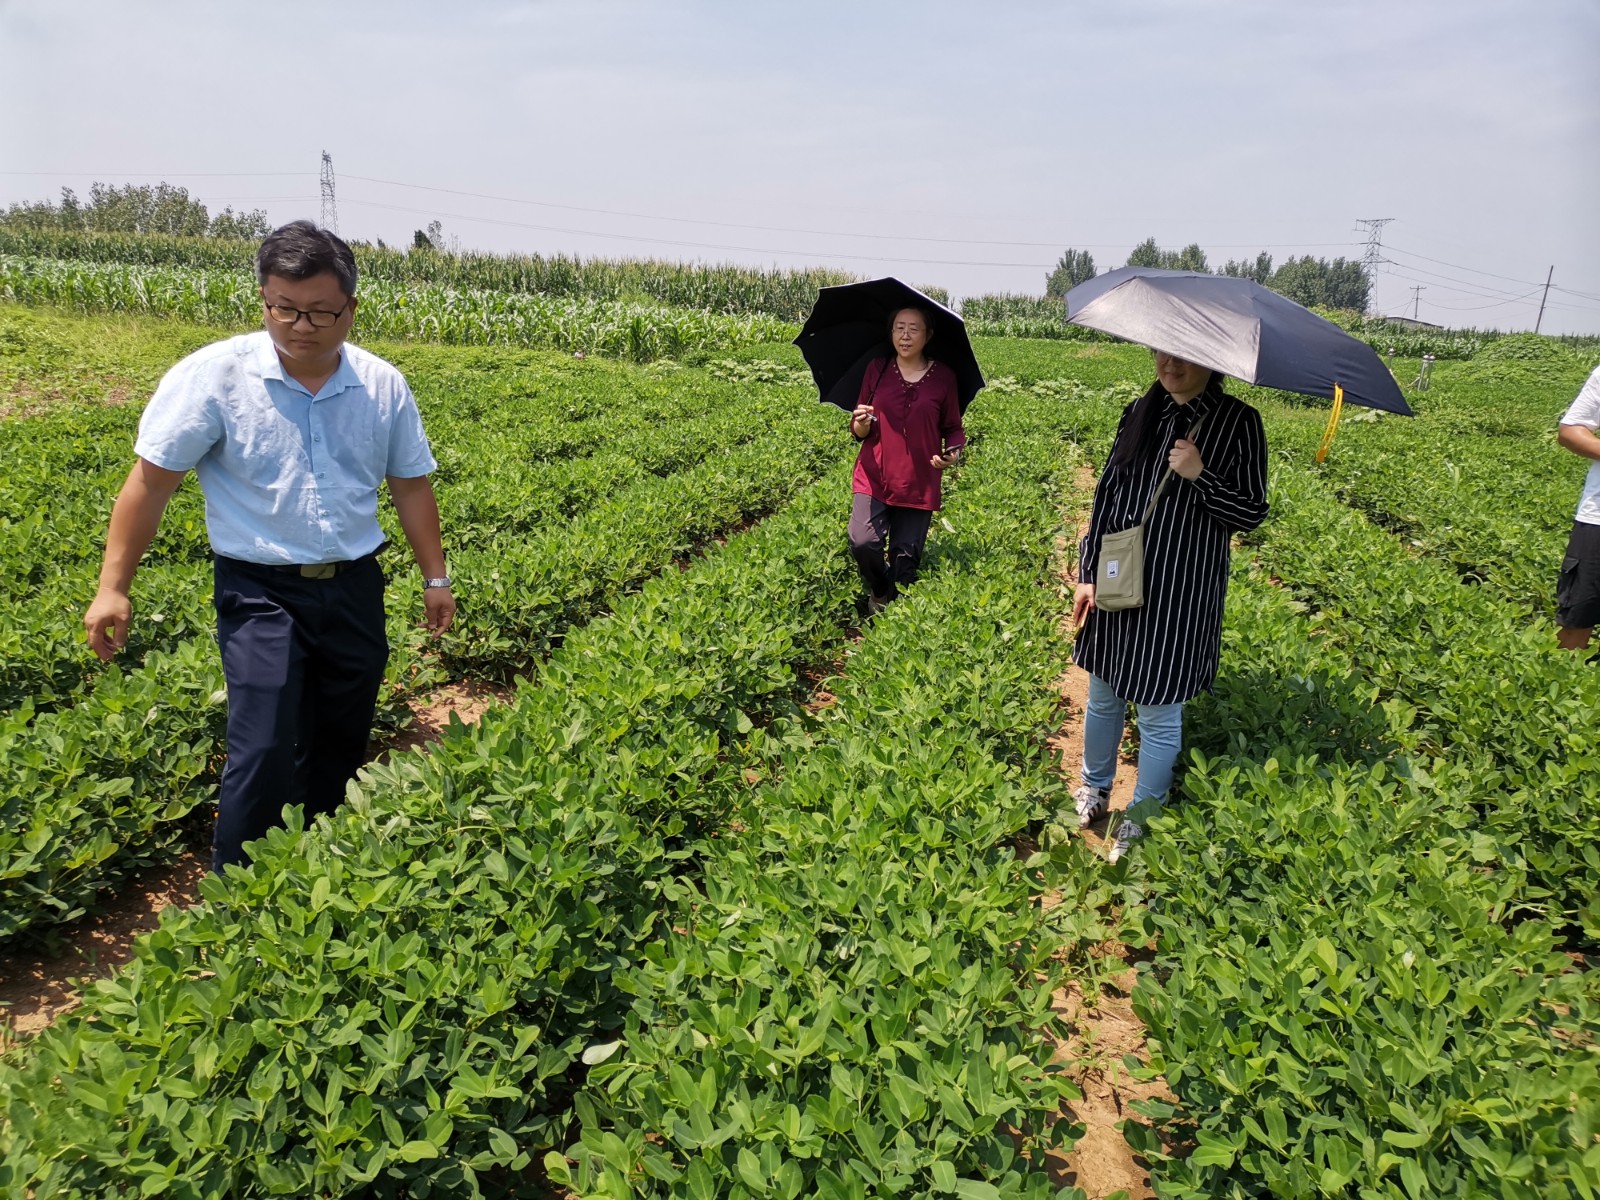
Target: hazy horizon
{"x":941,"y":144}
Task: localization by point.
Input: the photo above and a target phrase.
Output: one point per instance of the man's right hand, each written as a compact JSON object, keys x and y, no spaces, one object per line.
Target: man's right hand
{"x":134,"y":518}
{"x":106,"y":622}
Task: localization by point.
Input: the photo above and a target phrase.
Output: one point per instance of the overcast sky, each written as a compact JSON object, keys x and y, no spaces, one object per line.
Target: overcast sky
{"x":964,"y":144}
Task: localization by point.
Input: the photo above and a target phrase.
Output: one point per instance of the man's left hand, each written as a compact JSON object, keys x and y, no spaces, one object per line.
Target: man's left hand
{"x":440,"y":604}
{"x":945,"y":461}
{"x":1184,"y":458}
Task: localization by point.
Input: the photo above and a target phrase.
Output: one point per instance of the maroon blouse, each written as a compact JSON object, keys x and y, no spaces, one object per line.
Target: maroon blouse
{"x":915,"y":422}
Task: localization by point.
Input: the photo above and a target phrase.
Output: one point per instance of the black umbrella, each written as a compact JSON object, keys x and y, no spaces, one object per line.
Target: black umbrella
{"x":849,"y":327}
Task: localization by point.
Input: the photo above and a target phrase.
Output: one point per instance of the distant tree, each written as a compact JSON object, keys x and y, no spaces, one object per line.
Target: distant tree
{"x":43,"y":215}
{"x":419,"y":241}
{"x":1191,"y":258}
{"x":252,"y":225}
{"x":140,"y":208}
{"x":1145,"y":254}
{"x":1348,"y":285}
{"x":1148,"y":254}
{"x":1315,"y":281}
{"x":1304,"y":280}
{"x":1074,"y":267}
{"x":136,"y":208}
{"x":1260,"y":270}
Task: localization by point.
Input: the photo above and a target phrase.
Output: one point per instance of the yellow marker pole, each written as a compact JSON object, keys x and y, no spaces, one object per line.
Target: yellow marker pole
{"x":1333,"y":423}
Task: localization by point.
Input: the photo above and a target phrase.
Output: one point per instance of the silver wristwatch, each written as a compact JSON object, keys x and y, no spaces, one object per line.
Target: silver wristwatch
{"x":443,"y":581}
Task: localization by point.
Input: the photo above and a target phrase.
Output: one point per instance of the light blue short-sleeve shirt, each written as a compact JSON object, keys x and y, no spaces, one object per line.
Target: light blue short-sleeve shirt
{"x":288,"y":477}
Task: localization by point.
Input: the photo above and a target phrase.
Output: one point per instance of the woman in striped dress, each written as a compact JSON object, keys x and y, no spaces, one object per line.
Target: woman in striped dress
{"x":1161,"y":655}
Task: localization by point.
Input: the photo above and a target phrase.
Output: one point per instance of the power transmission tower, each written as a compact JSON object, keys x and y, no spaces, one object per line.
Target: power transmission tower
{"x":1373,"y":255}
{"x":330,"y":208}
{"x":1548,"y":277}
{"x":1416,"y":300}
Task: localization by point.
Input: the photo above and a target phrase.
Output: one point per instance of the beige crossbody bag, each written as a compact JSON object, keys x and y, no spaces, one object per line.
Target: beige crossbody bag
{"x":1119,"y":575}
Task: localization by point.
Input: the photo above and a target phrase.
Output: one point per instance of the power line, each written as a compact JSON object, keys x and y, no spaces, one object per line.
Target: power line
{"x":1434,"y":279}
{"x":657,"y":241}
{"x":1466,"y":286}
{"x":1460,"y":267}
{"x":887,"y":237}
{"x":1556,"y":287}
{"x":167,"y":174}
{"x":1481,"y":307}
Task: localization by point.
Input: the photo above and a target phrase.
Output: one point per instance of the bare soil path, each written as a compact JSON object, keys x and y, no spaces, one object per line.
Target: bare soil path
{"x":1102,"y":1030}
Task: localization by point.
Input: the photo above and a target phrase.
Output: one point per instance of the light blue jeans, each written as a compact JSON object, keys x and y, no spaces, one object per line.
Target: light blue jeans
{"x":1160,"y":741}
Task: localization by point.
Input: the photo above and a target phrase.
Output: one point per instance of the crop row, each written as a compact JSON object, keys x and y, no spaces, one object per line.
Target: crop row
{"x":851,"y":997}
{"x":1368,"y":895}
{"x":640,"y":331}
{"x":1477,"y":480}
{"x":403,"y":993}
{"x":96,"y":785}
{"x":403,"y":1002}
{"x":785,"y":294}
{"x":1366,"y":898}
{"x":505,"y":479}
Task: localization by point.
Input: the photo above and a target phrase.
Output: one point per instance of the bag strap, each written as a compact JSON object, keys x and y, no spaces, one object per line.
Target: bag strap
{"x":1150,"y":508}
{"x":883,"y":369}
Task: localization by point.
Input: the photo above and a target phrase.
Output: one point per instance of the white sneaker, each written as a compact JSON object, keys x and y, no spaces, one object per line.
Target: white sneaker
{"x":1127,"y":833}
{"x":1092,"y":803}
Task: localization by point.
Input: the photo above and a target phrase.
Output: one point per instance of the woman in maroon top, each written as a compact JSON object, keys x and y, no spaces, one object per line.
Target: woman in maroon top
{"x":908,"y":421}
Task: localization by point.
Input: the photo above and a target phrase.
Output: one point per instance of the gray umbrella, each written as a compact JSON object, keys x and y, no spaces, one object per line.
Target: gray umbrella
{"x":1238,"y":327}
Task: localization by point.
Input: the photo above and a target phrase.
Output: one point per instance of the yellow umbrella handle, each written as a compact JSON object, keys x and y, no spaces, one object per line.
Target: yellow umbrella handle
{"x":1333,"y":423}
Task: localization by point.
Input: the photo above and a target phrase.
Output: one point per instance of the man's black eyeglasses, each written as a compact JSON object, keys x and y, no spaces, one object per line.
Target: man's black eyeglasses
{"x":319,"y":318}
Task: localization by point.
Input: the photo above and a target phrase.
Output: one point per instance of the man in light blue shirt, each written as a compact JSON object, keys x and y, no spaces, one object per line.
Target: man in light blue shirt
{"x":290,"y":431}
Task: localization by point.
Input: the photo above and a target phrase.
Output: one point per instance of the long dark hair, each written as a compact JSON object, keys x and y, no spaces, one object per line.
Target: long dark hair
{"x":1141,"y":426}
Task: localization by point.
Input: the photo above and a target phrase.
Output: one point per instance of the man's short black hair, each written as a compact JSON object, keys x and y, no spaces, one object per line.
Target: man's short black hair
{"x":300,"y":250}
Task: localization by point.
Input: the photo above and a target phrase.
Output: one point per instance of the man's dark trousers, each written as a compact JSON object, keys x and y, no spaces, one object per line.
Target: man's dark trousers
{"x":303,"y":659}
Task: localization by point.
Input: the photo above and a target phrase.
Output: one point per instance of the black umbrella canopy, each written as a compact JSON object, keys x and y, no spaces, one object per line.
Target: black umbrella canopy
{"x":849,"y":327}
{"x":1238,"y":327}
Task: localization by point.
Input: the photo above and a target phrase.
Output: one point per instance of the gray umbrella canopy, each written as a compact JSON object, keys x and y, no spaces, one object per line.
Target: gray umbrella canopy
{"x":1238,"y":327}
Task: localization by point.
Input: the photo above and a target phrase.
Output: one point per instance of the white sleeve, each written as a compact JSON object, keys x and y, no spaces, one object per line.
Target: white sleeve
{"x":181,"y":422}
{"x":1585,"y":409}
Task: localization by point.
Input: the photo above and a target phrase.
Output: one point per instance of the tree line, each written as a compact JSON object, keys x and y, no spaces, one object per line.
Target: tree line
{"x":135,"y":208}
{"x":1341,"y":283}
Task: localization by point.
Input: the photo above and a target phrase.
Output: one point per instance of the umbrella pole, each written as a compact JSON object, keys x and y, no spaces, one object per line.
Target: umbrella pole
{"x":1333,"y":423}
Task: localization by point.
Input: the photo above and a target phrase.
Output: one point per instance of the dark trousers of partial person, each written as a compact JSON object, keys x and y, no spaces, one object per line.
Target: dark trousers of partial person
{"x":303,"y":659}
{"x":887,"y":543}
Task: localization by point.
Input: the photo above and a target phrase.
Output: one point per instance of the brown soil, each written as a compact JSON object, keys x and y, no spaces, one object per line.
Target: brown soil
{"x":1103,"y":1030}
{"x":36,"y":988}
{"x":430,"y":715}
{"x":1101,"y":1162}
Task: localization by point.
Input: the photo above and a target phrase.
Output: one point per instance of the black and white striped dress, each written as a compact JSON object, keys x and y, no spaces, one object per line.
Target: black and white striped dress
{"x":1166,"y":651}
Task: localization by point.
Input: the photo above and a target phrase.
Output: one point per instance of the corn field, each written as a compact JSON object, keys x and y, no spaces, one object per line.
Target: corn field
{"x":725,"y":289}
{"x":636,"y":330}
